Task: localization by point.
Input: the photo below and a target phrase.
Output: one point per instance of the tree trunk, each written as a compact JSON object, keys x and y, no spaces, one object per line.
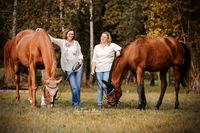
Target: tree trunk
{"x":61,"y":8}
{"x":91,"y":37}
{"x":14,"y":24}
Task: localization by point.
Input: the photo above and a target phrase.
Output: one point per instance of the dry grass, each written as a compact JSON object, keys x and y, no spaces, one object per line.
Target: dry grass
{"x":21,"y":118}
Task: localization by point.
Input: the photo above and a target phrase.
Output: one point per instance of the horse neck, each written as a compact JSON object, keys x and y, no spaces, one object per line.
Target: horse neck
{"x":118,"y":72}
{"x":48,"y":56}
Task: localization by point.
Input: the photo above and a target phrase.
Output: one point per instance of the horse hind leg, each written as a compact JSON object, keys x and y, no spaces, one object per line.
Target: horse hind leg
{"x":163,"y":88}
{"x":177,"y":74}
{"x":17,"y":81}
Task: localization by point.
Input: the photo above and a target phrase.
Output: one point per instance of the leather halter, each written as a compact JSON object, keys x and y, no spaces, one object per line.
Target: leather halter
{"x":52,"y":88}
{"x":116,"y":100}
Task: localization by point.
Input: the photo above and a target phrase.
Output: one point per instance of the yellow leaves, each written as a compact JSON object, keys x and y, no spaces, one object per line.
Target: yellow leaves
{"x":155,"y":33}
{"x":163,"y":19}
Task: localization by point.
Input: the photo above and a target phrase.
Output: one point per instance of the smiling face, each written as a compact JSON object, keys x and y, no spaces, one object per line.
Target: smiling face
{"x":70,"y":35}
{"x":105,"y":38}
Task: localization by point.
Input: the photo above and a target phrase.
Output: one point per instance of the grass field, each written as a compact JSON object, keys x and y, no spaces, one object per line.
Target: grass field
{"x":22,"y":118}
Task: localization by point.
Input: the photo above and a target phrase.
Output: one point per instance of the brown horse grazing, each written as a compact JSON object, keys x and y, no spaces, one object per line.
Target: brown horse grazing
{"x":145,"y":54}
{"x":31,"y":49}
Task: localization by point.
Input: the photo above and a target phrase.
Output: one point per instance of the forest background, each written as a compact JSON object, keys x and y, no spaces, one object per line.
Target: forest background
{"x":124,"y":19}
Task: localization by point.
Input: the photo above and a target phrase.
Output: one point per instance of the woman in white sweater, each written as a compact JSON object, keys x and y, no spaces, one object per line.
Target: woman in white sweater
{"x":103,"y":57}
{"x":70,"y":55}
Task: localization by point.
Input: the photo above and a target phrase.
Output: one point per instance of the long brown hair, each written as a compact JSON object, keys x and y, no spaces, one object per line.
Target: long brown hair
{"x":66,"y":32}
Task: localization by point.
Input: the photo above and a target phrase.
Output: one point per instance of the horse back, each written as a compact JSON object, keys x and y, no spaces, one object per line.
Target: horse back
{"x":23,"y":50}
{"x":22,"y":34}
{"x":151,"y":54}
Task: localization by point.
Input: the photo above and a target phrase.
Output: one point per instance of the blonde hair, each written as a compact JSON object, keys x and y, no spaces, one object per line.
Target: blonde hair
{"x":109,"y":37}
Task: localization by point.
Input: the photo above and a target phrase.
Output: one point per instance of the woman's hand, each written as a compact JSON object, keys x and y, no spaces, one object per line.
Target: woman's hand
{"x":92,"y":73}
{"x":38,"y":29}
{"x":81,"y":61}
{"x":118,"y":53}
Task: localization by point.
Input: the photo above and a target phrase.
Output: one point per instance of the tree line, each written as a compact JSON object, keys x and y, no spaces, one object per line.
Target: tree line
{"x":124,"y":19}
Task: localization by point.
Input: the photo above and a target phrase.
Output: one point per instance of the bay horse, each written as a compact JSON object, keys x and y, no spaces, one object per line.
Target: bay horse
{"x":32,"y":50}
{"x":149,"y":54}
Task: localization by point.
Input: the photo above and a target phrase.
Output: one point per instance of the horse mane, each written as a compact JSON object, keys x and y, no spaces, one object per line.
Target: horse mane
{"x":116,"y":59}
{"x":139,"y":40}
{"x":47,"y":52}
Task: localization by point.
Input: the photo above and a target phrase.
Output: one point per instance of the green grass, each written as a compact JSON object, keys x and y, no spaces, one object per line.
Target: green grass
{"x":22,"y":118}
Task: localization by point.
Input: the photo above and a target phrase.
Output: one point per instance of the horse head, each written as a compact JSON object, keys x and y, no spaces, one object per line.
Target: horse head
{"x":113,"y":94}
{"x":50,"y":90}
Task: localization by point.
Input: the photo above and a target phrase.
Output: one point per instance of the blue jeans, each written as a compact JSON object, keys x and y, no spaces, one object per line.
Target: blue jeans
{"x":102,"y":87}
{"x":75,"y":84}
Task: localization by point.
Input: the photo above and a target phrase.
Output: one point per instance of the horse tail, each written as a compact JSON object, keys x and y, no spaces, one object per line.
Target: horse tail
{"x":8,"y":61}
{"x":186,"y":65}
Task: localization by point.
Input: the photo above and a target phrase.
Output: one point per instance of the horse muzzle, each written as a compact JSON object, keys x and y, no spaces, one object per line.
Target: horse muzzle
{"x":51,"y":92}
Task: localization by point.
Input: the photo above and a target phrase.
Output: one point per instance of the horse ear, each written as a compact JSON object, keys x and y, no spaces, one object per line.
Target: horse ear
{"x":110,"y":87}
{"x":106,"y":83}
{"x":46,"y":81}
{"x":58,"y":81}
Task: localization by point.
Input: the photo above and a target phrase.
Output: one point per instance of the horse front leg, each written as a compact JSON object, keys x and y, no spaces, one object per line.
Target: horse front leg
{"x":43,"y":97}
{"x":163,"y":88}
{"x":17,"y":81}
{"x":140,"y":89}
{"x":30,"y":96}
{"x":177,"y":73}
{"x":33,"y":83}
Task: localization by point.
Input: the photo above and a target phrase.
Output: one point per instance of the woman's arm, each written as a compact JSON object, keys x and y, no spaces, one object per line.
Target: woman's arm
{"x":93,"y":68}
{"x":117,"y":49}
{"x":93,"y":65}
{"x":56,"y":41}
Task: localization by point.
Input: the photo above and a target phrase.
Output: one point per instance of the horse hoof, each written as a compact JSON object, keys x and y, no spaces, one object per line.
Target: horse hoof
{"x":43,"y":104}
{"x":157,"y":107}
{"x":176,"y":107}
{"x":141,"y":107}
{"x":33,"y":106}
{"x":30,"y":100}
{"x":17,"y":99}
{"x":52,"y":105}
